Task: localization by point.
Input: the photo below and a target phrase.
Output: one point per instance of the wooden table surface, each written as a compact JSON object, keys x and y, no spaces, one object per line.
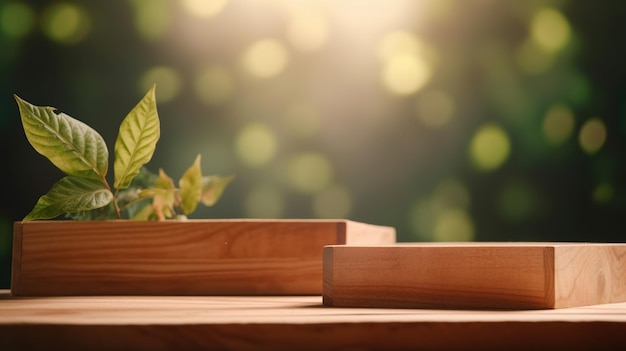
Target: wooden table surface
{"x":292,"y":323}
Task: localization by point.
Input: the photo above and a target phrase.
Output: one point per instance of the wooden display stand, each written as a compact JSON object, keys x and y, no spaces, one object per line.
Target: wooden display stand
{"x":292,"y":323}
{"x":475,"y":275}
{"x":194,"y":257}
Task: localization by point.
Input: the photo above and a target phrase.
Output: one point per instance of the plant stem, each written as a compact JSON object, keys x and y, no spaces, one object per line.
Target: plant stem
{"x":117,"y":209}
{"x":118,"y":214}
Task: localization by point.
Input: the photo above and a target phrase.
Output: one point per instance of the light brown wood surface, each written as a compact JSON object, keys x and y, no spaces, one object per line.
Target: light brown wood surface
{"x":475,"y":275}
{"x":194,"y":257}
{"x":292,"y":323}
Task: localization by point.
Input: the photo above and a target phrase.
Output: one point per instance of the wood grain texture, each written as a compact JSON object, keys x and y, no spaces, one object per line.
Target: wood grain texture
{"x":589,"y":274}
{"x":292,"y":323}
{"x":195,"y":257}
{"x":475,"y":275}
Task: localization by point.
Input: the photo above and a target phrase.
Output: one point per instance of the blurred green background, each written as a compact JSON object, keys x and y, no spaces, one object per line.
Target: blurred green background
{"x":451,"y":120}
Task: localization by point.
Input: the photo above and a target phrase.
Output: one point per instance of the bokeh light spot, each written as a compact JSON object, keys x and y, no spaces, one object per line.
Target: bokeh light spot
{"x":516,"y":201}
{"x":592,"y":135}
{"x":333,"y":202}
{"x":256,"y":144}
{"x":204,"y":8}
{"x":435,"y":108}
{"x":307,"y":30}
{"x":16,"y":19}
{"x":579,"y":88}
{"x":66,"y":23}
{"x":490,"y":147}
{"x":421,"y":220}
{"x":265,"y":58}
{"x":550,"y":29}
{"x":309,"y":173}
{"x":399,"y":42}
{"x":603,"y":193}
{"x":152,"y":18}
{"x":453,"y":225}
{"x":405,"y":68}
{"x":405,"y":74}
{"x":450,"y":193}
{"x":558,"y":124}
{"x":443,"y":215}
{"x":168,"y":83}
{"x":532,"y":59}
{"x":302,"y":119}
{"x":214,"y":85}
{"x":264,"y":202}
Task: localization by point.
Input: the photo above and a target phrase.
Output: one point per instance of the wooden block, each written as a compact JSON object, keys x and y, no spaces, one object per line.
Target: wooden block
{"x":475,"y":275}
{"x":194,"y":257}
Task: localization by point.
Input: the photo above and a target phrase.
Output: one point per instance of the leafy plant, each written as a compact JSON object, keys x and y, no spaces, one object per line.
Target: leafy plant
{"x":82,"y":154}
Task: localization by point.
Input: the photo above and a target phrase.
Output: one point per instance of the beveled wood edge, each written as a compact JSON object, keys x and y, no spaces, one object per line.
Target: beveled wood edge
{"x":482,"y":244}
{"x":16,"y":261}
{"x":327,"y":276}
{"x":193,"y":220}
{"x":549,"y":271}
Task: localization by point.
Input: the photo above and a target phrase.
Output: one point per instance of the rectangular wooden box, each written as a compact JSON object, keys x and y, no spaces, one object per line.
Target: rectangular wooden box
{"x":475,"y":275}
{"x":194,"y":257}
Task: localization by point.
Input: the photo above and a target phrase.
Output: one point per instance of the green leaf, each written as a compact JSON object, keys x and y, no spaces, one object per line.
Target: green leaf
{"x":164,"y":196}
{"x":150,"y":193}
{"x":136,"y":140}
{"x":71,"y":194}
{"x":98,"y":214}
{"x":145,"y":179}
{"x":128,"y":198}
{"x":71,"y":145}
{"x":163,"y":181}
{"x":144,"y":213}
{"x":191,"y":187}
{"x":163,"y":201}
{"x":213,"y":187}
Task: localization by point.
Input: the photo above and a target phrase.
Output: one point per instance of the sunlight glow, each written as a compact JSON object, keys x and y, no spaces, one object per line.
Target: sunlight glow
{"x":367,"y":17}
{"x":399,"y":42}
{"x":307,"y":30}
{"x":204,"y":8}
